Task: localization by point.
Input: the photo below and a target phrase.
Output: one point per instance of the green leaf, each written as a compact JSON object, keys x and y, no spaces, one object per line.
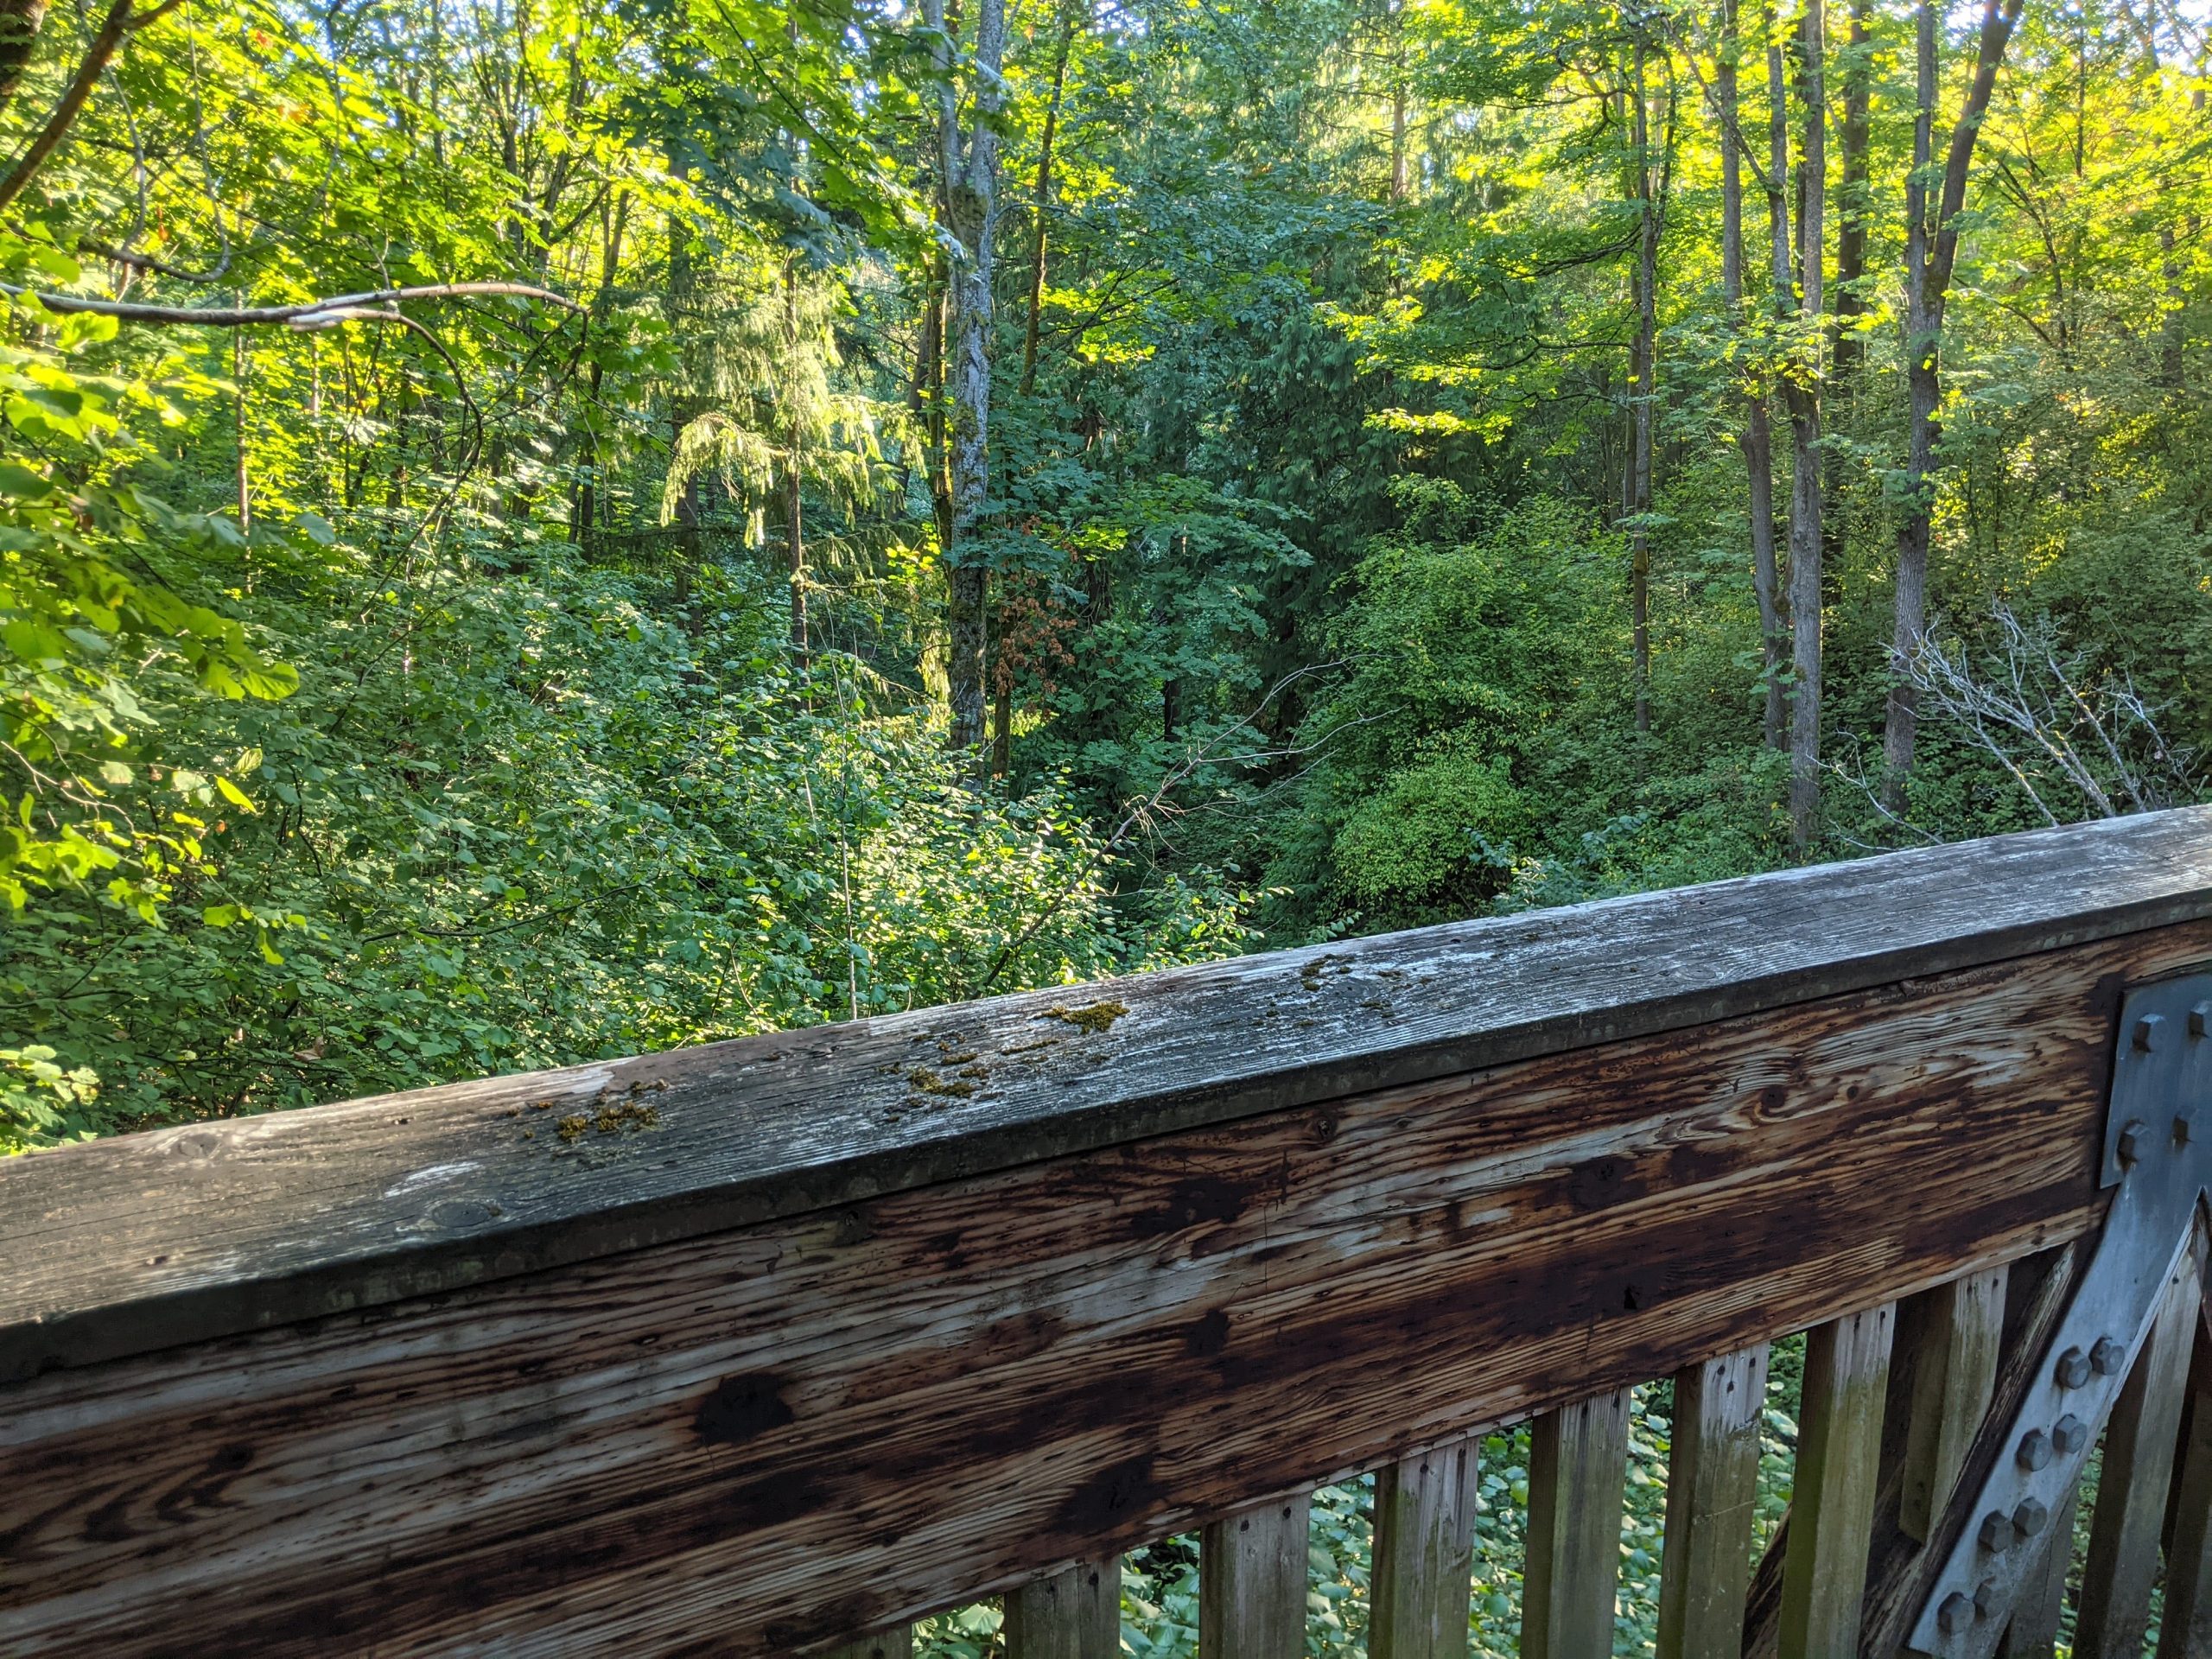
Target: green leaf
{"x":21,"y":482}
{"x":34,"y":642}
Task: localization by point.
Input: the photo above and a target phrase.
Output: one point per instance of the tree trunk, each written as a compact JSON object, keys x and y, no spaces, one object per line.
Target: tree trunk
{"x":1924,"y":392}
{"x":584,"y":511}
{"x":1931,"y":252}
{"x":20,"y":23}
{"x":2172,"y":329}
{"x":1846,"y":345}
{"x":1852,"y":202}
{"x":795,"y":473}
{"x":1044,"y":201}
{"x":970,"y":171}
{"x":239,"y":375}
{"x":1002,"y":728}
{"x":1756,"y":438}
{"x":1803,"y":395}
{"x":1643,"y":372}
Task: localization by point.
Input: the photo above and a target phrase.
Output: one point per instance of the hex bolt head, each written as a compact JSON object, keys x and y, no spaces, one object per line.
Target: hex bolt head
{"x":2073,"y":1369}
{"x":2200,"y":1019}
{"x":1986,"y":1602}
{"x":2070,"y":1435}
{"x":1955,"y":1615}
{"x":1996,"y":1533}
{"x":2135,"y":1141}
{"x":2184,"y":1129}
{"x":2108,"y":1357}
{"x":2146,"y":1033}
{"x":2035,"y":1451}
{"x":2031,"y":1516}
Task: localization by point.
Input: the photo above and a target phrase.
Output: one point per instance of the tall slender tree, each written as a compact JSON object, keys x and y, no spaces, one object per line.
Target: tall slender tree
{"x":1650,"y":183}
{"x":968,"y":163}
{"x":1755,"y":436}
{"x":1931,"y":253}
{"x":1801,"y":386}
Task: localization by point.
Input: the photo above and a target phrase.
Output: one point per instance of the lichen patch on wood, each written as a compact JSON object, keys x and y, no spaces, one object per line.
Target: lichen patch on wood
{"x":1091,"y":1020}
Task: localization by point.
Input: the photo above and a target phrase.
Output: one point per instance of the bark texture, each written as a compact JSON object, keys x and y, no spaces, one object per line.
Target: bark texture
{"x":1931,"y":252}
{"x":969,"y":166}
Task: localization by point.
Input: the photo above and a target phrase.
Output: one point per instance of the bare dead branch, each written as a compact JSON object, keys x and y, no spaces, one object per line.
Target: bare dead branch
{"x":2032,"y":706}
{"x":306,"y":316}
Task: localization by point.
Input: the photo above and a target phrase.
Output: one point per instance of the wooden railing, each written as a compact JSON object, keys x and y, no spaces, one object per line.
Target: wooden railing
{"x":779,"y":1345}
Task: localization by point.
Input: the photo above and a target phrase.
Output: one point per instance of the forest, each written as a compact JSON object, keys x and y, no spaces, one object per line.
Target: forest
{"x":532,"y":532}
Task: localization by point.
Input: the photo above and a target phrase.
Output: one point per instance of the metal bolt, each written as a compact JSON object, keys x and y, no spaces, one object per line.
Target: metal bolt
{"x":2031,"y":1516}
{"x":2184,"y":1129}
{"x":1996,"y":1535}
{"x":2200,"y":1019}
{"x":2070,"y":1435}
{"x":2135,"y":1141}
{"x":2108,"y":1357}
{"x":1986,"y":1602}
{"x":2146,"y":1033}
{"x":2035,"y":1451}
{"x":1956,"y":1614}
{"x":2073,"y":1369}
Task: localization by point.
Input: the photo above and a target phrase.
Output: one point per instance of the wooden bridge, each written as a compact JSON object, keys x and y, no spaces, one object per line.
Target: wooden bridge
{"x":774,"y":1346}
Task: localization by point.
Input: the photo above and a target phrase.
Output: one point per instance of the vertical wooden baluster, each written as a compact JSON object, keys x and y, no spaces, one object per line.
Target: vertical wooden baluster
{"x":2123,"y":1561}
{"x":2033,"y":1633}
{"x":1072,"y":1615}
{"x":1955,"y":1368}
{"x":2186,"y":1629}
{"x":1713,"y":1477}
{"x":1577,"y":1468}
{"x":895,"y":1643}
{"x":1252,"y":1582}
{"x":1424,"y":1547}
{"x":1832,"y":1499}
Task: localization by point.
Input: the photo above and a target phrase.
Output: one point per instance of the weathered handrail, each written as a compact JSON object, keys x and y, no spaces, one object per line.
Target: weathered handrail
{"x":766,"y":1345}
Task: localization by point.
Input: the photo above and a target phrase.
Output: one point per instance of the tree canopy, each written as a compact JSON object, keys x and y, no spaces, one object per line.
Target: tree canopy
{"x":532,"y":530}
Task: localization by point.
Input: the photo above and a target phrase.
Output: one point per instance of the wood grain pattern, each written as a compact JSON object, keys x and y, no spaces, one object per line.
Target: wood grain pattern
{"x":1578,"y":1463}
{"x":1252,"y":1581}
{"x":1712,"y":1473}
{"x":1423,"y":1568}
{"x":1832,"y":1492}
{"x":1955,"y":1368}
{"x":185,"y":1234}
{"x":885,"y":1644}
{"x":1076,"y":1614}
{"x":2122,"y":1565}
{"x":762,"y":1442}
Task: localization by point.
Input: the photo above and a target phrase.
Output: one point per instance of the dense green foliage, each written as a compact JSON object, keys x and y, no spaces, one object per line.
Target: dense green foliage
{"x":490,"y":679}
{"x":396,"y":688}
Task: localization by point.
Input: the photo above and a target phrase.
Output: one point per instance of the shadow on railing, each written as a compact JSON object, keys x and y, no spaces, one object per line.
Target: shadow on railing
{"x":758,"y":1348}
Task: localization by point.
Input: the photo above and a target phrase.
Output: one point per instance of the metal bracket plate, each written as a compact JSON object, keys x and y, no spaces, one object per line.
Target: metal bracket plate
{"x":2157,"y":1151}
